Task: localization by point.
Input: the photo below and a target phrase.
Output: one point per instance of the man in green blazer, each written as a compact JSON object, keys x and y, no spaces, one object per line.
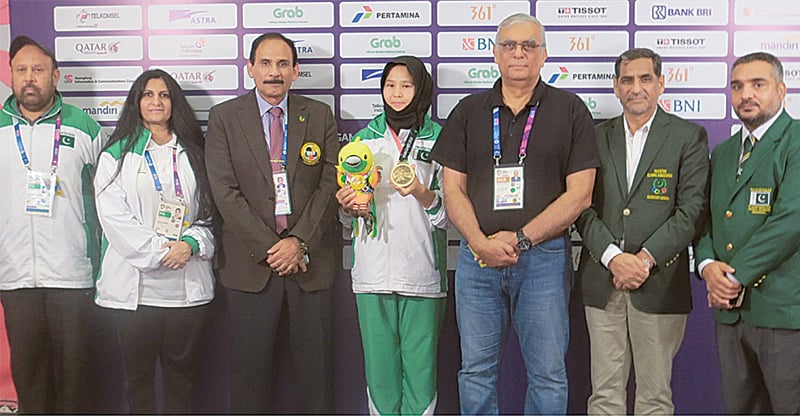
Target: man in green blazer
{"x":647,"y":205}
{"x":749,"y":253}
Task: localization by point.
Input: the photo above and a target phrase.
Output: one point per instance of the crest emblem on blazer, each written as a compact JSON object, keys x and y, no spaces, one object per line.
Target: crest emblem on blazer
{"x":311,"y":153}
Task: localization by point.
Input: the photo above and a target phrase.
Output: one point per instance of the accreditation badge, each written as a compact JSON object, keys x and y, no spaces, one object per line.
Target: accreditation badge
{"x":40,"y":194}
{"x":283,"y":205}
{"x":169,"y":220}
{"x":508,"y":187}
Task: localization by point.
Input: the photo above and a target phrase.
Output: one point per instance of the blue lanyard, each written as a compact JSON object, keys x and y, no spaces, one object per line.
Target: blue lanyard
{"x":56,"y":145}
{"x":157,"y":182}
{"x":526,"y":134}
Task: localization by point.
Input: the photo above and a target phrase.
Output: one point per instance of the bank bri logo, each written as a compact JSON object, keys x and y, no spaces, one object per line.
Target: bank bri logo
{"x":558,"y":76}
{"x":659,"y":12}
{"x":366,"y":14}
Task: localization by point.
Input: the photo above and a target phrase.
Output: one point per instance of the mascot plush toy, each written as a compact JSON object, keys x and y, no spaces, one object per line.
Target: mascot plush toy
{"x":357,"y":170}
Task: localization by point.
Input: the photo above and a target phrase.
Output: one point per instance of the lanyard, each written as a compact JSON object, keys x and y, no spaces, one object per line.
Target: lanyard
{"x":526,"y":134}
{"x":405,"y":149}
{"x":176,"y":179}
{"x":56,"y":145}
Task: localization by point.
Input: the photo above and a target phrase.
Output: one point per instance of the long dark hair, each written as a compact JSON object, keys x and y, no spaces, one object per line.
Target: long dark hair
{"x":183,"y":123}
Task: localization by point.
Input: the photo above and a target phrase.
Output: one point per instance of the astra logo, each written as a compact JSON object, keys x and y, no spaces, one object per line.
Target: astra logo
{"x":368,"y":74}
{"x":182,"y":14}
{"x":366,"y":14}
{"x":303,"y":49}
{"x":558,"y":76}
{"x":477,"y":44}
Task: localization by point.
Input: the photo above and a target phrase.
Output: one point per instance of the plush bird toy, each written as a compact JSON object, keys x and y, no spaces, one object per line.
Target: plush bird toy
{"x":357,"y":170}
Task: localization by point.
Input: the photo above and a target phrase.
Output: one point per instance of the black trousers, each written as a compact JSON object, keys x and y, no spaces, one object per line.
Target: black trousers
{"x":172,"y":336}
{"x":48,"y":334}
{"x":760,"y":371}
{"x":254,"y":320}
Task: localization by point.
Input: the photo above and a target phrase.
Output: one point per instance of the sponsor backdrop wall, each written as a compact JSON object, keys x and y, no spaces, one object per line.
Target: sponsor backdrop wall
{"x":103,"y":45}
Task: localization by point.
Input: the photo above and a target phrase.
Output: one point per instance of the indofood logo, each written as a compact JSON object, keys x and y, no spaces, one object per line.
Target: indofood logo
{"x":183,"y":14}
{"x":477,"y":43}
{"x":368,"y":13}
{"x":363,"y":15}
{"x":97,"y":48}
{"x":368,"y":74}
{"x":105,"y":108}
{"x":662,"y":12}
{"x":559,"y":76}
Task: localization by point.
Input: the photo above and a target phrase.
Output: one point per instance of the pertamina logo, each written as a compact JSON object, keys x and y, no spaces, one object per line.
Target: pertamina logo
{"x":558,"y":76}
{"x":363,"y":15}
{"x":477,"y":43}
{"x":385,"y":15}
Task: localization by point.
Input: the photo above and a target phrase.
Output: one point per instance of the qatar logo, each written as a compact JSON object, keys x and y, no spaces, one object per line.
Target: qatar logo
{"x":366,"y":14}
{"x":209,"y":76}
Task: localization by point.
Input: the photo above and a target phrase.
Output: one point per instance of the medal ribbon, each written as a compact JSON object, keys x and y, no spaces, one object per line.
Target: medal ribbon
{"x":407,"y":145}
{"x":526,"y":134}
{"x":56,"y":145}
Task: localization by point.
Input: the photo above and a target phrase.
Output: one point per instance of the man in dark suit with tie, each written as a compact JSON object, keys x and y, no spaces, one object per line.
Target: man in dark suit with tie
{"x":647,"y":203}
{"x":280,"y":244}
{"x":749,"y":256}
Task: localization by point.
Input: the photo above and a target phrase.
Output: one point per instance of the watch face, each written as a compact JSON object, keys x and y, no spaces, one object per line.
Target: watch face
{"x":524,"y":245}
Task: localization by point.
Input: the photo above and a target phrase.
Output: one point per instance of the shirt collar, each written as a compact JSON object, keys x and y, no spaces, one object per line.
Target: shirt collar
{"x":645,"y":128}
{"x":761,"y":130}
{"x":264,"y":106}
{"x":496,"y":99}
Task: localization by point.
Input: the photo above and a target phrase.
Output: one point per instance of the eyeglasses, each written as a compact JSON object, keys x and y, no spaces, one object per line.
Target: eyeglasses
{"x":509,"y":46}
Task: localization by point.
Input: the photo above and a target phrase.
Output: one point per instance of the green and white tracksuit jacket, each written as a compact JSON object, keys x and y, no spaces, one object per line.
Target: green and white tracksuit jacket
{"x":408,"y":254}
{"x":56,"y":251}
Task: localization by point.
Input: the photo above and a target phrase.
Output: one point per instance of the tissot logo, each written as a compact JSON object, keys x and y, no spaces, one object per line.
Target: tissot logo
{"x":681,"y":41}
{"x":367,"y":74}
{"x":582,"y":10}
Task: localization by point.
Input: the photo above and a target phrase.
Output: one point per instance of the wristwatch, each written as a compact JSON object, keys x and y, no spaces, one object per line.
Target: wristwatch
{"x":523,"y":242}
{"x":303,"y":249}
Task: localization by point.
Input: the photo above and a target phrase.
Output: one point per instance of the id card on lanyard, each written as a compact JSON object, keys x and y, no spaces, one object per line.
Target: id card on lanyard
{"x":280,"y":180}
{"x":509,"y":179}
{"x":41,"y":186}
{"x":169,"y":216}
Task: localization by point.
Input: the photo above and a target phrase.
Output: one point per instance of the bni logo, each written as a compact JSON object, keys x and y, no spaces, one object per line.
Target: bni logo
{"x":659,"y":12}
{"x":558,"y":76}
{"x":366,"y":14}
{"x":368,"y":74}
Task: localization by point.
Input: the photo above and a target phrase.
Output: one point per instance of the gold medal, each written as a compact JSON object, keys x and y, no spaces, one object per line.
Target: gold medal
{"x":402,"y":175}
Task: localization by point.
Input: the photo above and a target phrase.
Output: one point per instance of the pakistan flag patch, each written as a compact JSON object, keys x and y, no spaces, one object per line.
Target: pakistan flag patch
{"x":67,"y":140}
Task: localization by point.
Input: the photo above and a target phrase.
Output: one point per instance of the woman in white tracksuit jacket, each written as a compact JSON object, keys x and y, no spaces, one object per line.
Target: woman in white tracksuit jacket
{"x":156,"y":274}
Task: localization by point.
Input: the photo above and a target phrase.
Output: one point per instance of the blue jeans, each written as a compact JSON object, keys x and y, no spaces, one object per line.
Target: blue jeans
{"x":533,"y":296}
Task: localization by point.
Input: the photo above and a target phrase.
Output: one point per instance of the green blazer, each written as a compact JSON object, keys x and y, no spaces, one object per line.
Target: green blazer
{"x":755,"y":225}
{"x":662,"y":212}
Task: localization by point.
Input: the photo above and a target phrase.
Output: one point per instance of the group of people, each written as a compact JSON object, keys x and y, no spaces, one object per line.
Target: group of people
{"x":257,"y":200}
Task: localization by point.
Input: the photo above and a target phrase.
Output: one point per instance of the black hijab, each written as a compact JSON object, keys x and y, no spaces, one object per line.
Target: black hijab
{"x":413,"y":115}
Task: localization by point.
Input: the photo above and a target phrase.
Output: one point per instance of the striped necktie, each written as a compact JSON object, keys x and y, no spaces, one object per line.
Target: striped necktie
{"x":747,"y":149}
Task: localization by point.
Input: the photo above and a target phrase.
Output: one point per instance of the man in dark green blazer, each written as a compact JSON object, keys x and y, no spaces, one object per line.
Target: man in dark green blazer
{"x":749,"y":254}
{"x":647,"y":204}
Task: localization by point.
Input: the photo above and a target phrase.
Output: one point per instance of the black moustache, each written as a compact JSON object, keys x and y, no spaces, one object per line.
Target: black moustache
{"x":274,"y":81}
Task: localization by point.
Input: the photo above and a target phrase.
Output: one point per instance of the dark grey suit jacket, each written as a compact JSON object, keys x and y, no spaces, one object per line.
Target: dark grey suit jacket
{"x":240,"y":174}
{"x":662,"y":212}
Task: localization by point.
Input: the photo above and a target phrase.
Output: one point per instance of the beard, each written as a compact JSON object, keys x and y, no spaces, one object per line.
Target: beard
{"x":35,"y":101}
{"x":756,"y":119}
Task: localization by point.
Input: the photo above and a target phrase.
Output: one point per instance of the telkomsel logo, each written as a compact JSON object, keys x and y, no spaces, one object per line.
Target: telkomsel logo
{"x":558,"y":76}
{"x":366,"y":14}
{"x":368,"y":74}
